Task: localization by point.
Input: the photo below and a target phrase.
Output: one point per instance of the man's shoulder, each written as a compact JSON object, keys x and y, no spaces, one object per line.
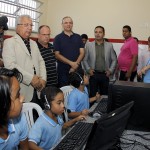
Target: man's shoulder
{"x":33,"y":41}
{"x":89,"y":44}
{"x":108,"y":46}
{"x":131,"y":40}
{"x":108,"y":43}
{"x":59,"y":35}
{"x":11,"y":38}
{"x":76,"y":34}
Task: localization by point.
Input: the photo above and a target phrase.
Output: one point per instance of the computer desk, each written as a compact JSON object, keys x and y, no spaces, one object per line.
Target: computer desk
{"x":130,"y":139}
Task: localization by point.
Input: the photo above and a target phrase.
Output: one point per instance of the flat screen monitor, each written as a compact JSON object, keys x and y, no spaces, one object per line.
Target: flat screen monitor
{"x":122,"y":92}
{"x":107,"y":130}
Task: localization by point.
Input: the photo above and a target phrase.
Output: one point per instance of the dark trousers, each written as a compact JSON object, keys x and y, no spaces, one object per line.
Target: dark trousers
{"x":99,"y":82}
{"x":63,"y":76}
{"x":63,"y":79}
{"x":123,"y":76}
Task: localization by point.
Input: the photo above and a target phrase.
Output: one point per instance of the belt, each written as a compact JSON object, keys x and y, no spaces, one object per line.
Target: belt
{"x":99,"y":72}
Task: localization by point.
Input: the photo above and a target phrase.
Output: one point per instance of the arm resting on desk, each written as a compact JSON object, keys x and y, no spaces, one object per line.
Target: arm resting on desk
{"x":76,"y":114}
{"x":73,"y":121}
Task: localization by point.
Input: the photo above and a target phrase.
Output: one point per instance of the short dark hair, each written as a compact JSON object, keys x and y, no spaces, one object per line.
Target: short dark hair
{"x":127,"y":27}
{"x":42,"y":27}
{"x":101,"y":28}
{"x":84,"y":36}
{"x":5,"y":92}
{"x":75,"y":78}
{"x":50,"y":92}
{"x":3,"y":22}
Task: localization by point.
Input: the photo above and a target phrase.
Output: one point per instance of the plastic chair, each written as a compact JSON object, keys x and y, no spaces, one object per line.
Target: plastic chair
{"x":66,"y":91}
{"x":27,"y":109}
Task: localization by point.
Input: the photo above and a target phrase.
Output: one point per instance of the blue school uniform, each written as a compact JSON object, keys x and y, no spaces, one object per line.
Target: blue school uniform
{"x":147,"y":74}
{"x":17,"y":131}
{"x":78,"y":100}
{"x":46,"y":132}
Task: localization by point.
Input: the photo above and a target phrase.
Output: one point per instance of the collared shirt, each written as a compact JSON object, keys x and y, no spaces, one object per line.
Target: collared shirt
{"x":46,"y":132}
{"x":100,"y":57}
{"x":17,"y":131}
{"x":27,"y":43}
{"x":50,"y":63}
{"x":147,"y":74}
{"x":77,"y":100}
{"x":144,"y":60}
{"x":128,"y":50}
{"x":69,"y":47}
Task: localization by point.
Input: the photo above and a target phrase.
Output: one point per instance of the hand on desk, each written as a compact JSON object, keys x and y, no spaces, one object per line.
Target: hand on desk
{"x":81,"y":118}
{"x":98,"y":96}
{"x":85,"y":112}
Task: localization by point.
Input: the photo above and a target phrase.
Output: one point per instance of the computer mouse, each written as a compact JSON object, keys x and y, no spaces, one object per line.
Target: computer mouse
{"x":96,"y":115}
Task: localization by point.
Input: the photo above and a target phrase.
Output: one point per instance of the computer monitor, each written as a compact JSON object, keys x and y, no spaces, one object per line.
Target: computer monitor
{"x":122,"y":92}
{"x":107,"y":130}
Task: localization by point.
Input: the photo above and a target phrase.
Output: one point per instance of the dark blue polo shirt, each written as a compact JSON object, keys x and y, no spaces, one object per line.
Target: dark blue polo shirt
{"x":69,"y":47}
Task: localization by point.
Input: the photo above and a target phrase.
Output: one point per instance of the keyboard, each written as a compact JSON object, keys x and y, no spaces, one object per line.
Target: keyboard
{"x":76,"y":138}
{"x":101,"y":107}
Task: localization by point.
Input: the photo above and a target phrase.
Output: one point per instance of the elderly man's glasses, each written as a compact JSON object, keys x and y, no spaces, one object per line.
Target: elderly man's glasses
{"x":26,"y":25}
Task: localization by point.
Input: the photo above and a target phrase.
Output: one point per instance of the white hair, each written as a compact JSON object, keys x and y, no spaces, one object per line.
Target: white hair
{"x":19,"y":18}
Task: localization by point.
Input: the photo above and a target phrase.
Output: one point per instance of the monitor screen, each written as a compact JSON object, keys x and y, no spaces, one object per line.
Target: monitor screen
{"x":107,"y":130}
{"x":122,"y":92}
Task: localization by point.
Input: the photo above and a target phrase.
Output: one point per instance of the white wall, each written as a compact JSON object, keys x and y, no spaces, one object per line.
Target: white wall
{"x":112,"y":14}
{"x":117,"y":47}
{"x":86,"y":14}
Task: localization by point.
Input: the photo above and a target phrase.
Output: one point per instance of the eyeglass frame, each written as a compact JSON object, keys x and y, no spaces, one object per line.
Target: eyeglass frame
{"x":26,"y":24}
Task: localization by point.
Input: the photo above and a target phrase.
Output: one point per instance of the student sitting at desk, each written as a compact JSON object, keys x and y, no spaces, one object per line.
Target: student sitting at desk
{"x":47,"y":130}
{"x":78,"y":99}
{"x":13,"y":125}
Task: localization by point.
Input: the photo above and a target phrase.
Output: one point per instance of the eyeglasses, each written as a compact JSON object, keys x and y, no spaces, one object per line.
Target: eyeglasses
{"x":26,"y":25}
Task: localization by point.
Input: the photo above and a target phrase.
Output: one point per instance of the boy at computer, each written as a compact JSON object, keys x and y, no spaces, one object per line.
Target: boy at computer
{"x":47,"y":130}
{"x":78,"y":100}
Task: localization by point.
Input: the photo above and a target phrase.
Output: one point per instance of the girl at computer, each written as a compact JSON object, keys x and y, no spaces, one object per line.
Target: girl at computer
{"x":47,"y":130}
{"x":13,"y":125}
{"x":78,"y":99}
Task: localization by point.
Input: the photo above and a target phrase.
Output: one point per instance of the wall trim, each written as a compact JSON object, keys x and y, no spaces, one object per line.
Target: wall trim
{"x":90,"y":39}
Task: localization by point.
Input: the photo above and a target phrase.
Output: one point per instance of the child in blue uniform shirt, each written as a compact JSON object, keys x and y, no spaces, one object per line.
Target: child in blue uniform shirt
{"x":78,"y":99}
{"x":47,"y":130}
{"x":13,"y":125}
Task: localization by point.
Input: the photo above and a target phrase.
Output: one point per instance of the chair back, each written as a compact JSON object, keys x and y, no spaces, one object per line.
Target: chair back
{"x":66,"y":91}
{"x":27,"y":109}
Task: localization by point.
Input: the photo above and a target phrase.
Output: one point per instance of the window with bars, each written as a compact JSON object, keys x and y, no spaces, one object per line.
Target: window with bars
{"x":14,"y":8}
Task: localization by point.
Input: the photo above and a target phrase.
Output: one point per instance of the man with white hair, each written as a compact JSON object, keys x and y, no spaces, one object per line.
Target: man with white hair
{"x":22,"y":53}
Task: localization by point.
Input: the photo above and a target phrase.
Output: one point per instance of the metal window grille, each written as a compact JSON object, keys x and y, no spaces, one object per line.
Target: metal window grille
{"x":14,"y":8}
